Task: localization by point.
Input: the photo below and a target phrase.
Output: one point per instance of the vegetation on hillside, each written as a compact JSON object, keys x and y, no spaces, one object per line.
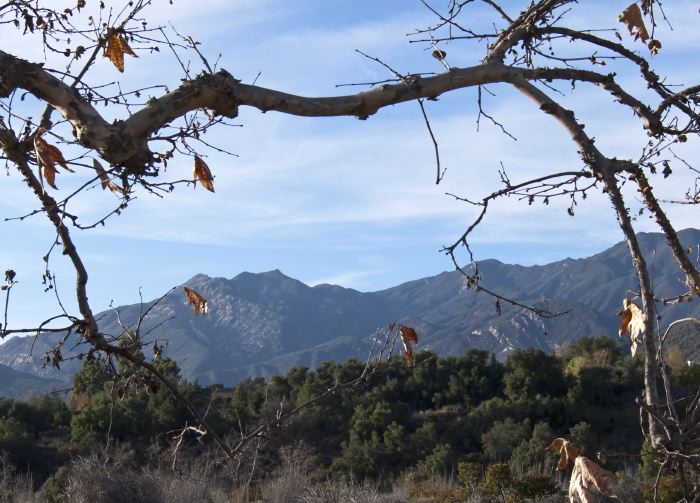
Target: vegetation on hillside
{"x":453,"y":418}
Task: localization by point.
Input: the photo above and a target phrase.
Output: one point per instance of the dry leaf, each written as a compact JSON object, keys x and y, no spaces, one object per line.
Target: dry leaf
{"x":654,"y":46}
{"x":47,"y":156}
{"x":632,"y":18}
{"x":567,"y":451}
{"x":199,"y":303}
{"x":438,"y":54}
{"x":104,"y":179}
{"x":588,"y":479}
{"x":408,"y":337}
{"x":203,"y":174}
{"x":116,"y":47}
{"x":632,"y":322}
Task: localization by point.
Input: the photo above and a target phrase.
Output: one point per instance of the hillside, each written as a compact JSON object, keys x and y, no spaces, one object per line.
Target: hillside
{"x":264,"y":324}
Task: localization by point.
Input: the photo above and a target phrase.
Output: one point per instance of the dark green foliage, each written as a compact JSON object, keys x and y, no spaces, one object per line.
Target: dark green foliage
{"x":530,"y":373}
{"x":582,"y":436}
{"x":530,"y":454}
{"x":440,"y":461}
{"x":53,"y":490}
{"x":422,"y":420}
{"x":499,"y":441}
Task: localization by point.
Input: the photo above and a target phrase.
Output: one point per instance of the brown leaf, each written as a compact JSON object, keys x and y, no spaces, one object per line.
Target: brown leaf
{"x":116,"y":47}
{"x":585,"y":477}
{"x":438,"y":54}
{"x":199,"y":303}
{"x":105,"y":180}
{"x":203,"y":174}
{"x":47,"y":156}
{"x":632,"y":18}
{"x":566,"y":450}
{"x":654,"y":46}
{"x":632,"y":323}
{"x":408,"y":337}
{"x":157,"y":350}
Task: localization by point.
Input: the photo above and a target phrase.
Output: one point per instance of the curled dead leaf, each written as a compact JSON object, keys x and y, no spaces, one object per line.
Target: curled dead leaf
{"x":632,"y":323}
{"x":198,"y":302}
{"x":408,"y":338}
{"x":105,"y":180}
{"x":203,"y":174}
{"x":47,"y":156}
{"x":654,"y":46}
{"x":438,"y":54}
{"x":116,"y":47}
{"x":567,"y":451}
{"x":632,"y":18}
{"x":588,"y":481}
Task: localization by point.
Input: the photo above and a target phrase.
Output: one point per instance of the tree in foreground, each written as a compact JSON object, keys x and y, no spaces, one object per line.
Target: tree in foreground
{"x":54,"y":121}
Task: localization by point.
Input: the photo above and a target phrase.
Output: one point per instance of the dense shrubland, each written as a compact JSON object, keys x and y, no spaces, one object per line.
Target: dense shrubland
{"x":443,"y":428}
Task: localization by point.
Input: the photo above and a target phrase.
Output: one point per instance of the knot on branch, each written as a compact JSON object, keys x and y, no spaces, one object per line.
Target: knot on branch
{"x":123,"y":149}
{"x":225,"y":85}
{"x":12,"y":70}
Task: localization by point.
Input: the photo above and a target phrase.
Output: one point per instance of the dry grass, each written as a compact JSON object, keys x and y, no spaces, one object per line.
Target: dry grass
{"x":15,"y":487}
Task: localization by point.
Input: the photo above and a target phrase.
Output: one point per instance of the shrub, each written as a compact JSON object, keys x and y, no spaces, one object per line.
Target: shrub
{"x":532,"y":487}
{"x":54,"y":488}
{"x":670,"y":490}
{"x":470,"y":474}
{"x":498,"y":480}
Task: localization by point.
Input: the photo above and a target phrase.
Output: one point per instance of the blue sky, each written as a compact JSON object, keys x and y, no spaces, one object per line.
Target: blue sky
{"x":336,"y":200}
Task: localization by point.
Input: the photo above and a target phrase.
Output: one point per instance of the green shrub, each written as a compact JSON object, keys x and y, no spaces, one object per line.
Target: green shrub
{"x":470,"y":474}
{"x":670,"y":490}
{"x":498,"y":480}
{"x":532,"y":487}
{"x":54,"y":488}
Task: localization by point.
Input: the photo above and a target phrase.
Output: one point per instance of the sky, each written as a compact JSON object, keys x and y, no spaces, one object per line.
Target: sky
{"x":336,"y":200}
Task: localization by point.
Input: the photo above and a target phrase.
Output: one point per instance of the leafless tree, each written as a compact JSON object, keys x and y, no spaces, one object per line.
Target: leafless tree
{"x":536,"y":51}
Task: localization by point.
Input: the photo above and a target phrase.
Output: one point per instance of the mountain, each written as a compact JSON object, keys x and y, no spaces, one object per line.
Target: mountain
{"x":17,"y":384}
{"x":263,"y":324}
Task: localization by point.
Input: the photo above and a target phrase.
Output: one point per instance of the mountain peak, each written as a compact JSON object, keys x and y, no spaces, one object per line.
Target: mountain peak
{"x":198,"y":278}
{"x":261,"y":324}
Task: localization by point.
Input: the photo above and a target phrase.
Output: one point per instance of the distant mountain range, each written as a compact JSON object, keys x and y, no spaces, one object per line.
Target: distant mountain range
{"x":264,"y":324}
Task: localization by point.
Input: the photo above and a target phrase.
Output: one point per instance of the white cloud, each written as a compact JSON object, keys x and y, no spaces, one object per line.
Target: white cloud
{"x":346,"y":195}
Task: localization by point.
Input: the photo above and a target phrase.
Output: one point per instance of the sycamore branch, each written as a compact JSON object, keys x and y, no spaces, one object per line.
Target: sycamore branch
{"x":606,"y":169}
{"x":124,"y":143}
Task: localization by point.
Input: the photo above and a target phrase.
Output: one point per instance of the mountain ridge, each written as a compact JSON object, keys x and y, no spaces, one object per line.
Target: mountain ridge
{"x":265,"y":323}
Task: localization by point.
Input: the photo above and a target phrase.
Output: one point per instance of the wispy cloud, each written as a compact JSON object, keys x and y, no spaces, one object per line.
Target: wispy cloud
{"x":339,"y":200}
{"x":348,"y":279}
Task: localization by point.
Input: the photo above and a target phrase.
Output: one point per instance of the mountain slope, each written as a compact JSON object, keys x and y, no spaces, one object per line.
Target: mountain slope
{"x":262,"y":324}
{"x":17,"y":384}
